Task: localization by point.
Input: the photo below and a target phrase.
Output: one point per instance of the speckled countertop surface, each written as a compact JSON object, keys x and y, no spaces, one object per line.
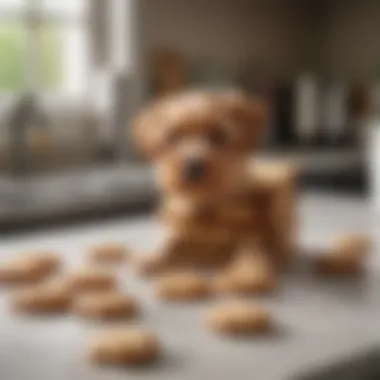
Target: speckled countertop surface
{"x":319,"y":322}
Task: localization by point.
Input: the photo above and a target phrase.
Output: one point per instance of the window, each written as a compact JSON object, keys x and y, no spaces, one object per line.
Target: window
{"x":43,"y":46}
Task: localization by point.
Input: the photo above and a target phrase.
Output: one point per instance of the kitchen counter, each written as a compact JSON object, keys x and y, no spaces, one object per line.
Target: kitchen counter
{"x":320,"y":321}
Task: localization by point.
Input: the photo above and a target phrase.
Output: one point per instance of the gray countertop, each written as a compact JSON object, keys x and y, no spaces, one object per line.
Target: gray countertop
{"x":319,"y":321}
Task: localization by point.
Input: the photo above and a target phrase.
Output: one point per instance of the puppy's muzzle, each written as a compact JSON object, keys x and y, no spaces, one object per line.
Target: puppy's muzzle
{"x":194,"y":170}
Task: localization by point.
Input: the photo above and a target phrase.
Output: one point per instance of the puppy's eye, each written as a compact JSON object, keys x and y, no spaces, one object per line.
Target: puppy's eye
{"x":217,"y":137}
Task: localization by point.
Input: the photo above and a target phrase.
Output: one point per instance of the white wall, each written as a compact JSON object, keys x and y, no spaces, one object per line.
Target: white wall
{"x":351,"y":35}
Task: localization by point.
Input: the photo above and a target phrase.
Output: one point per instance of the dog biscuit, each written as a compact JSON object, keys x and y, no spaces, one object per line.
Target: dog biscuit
{"x":88,"y":279}
{"x":182,"y":286}
{"x":105,"y":305}
{"x":29,"y":268}
{"x":345,"y":257}
{"x":235,"y":318}
{"x":354,"y":246}
{"x":44,"y":298}
{"x":128,"y":346}
{"x":108,"y":253}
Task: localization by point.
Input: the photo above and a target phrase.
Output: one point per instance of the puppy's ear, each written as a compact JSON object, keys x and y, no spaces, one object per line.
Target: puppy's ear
{"x":248,"y":115}
{"x":146,"y":130}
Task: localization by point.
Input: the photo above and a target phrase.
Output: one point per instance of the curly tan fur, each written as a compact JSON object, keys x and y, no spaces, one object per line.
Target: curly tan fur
{"x":240,"y":206}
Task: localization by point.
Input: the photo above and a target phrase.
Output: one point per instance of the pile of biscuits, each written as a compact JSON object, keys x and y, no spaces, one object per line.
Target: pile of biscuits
{"x":91,"y":292}
{"x":41,"y":286}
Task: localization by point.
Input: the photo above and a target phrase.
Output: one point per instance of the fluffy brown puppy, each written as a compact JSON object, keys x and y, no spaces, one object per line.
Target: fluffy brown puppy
{"x":217,"y":203}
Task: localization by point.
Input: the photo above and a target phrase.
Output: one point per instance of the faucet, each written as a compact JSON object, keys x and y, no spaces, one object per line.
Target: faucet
{"x":24,"y":115}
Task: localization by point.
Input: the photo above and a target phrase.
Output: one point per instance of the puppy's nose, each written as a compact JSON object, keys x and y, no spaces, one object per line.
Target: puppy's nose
{"x":194,"y":170}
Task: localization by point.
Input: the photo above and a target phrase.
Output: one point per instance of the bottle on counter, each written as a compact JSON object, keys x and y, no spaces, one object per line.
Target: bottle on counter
{"x":306,"y":109}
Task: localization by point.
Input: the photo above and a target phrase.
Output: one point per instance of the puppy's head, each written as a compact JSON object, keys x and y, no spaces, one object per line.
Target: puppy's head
{"x":198,"y":141}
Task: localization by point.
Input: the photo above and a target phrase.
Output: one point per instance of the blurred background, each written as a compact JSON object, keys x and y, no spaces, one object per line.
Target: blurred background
{"x":72,"y":75}
{"x":74,"y":72}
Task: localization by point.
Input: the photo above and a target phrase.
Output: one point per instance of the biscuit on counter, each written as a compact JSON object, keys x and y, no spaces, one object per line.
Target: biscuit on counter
{"x":29,"y":267}
{"x":111,"y":253}
{"x":346,"y":256}
{"x":42,"y":298}
{"x":238,"y":318}
{"x":90,"y":279}
{"x":124,"y":346}
{"x":105,"y":305}
{"x":182,"y":286}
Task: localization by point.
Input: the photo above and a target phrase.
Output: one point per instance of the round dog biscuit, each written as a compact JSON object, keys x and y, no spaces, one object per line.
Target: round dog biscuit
{"x":128,"y":346}
{"x":47,"y":261}
{"x":351,"y":246}
{"x":105,"y":305}
{"x":108,"y":253}
{"x":29,"y":268}
{"x":345,"y":256}
{"x":88,"y":279}
{"x":44,"y":298}
{"x":182,"y":287}
{"x":237,"y":318}
{"x":18,"y":272}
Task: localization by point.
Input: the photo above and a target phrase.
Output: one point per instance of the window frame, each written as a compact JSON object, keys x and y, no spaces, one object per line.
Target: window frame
{"x":32,"y":16}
